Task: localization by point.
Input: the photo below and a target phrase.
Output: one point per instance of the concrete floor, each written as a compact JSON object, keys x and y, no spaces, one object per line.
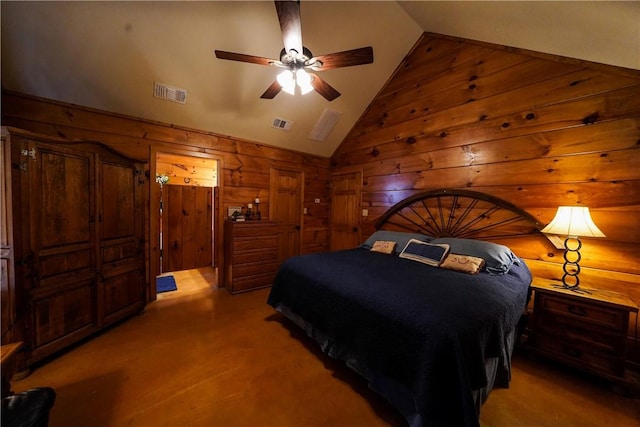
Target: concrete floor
{"x":202,"y":357}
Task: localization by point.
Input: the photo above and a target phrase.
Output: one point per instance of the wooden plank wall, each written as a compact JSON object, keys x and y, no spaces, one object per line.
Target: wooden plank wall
{"x":537,"y":130}
{"x":187,"y":171}
{"x":246,"y":164}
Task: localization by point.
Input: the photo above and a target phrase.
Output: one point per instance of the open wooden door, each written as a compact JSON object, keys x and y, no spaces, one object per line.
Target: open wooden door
{"x":345,"y":210}
{"x":187,"y":227}
{"x":187,"y":169}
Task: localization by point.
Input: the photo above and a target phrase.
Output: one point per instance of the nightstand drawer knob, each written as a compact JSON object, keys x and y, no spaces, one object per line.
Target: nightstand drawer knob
{"x":577,"y":310}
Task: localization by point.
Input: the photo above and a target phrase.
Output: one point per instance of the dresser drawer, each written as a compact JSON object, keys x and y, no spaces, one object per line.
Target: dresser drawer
{"x":256,"y":255}
{"x":256,"y":242}
{"x":252,"y":282}
{"x":579,"y":355}
{"x":254,"y":269}
{"x":585,"y":312}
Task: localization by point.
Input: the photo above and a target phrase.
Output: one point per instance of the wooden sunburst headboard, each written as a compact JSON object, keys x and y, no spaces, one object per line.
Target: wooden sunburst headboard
{"x":459,"y":213}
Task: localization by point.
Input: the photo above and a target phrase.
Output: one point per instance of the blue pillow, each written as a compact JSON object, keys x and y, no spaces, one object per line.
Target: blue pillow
{"x":401,"y":239}
{"x":498,"y":258}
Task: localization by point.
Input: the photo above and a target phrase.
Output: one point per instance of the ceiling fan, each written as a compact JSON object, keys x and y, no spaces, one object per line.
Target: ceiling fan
{"x":297,"y":60}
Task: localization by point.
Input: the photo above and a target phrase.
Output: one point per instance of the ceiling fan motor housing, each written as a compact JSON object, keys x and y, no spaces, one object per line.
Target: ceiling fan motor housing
{"x":295,"y":61}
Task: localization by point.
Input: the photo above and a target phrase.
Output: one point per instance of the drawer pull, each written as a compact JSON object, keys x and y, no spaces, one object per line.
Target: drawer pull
{"x":577,"y":310}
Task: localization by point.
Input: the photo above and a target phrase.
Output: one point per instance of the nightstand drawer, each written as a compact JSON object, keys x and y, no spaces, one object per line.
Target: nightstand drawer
{"x":591,"y":313}
{"x":598,"y":339}
{"x":579,"y":355}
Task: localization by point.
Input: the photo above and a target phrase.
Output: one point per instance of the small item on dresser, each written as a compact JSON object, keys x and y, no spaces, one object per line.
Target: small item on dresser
{"x":258,"y":215}
{"x":234,"y":212}
{"x":465,"y":263}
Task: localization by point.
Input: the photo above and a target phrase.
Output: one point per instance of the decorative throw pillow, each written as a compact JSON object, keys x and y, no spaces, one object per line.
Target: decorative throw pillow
{"x":386,"y":247}
{"x":498,"y":258}
{"x":465,"y":263}
{"x":401,"y":238}
{"x":424,"y":252}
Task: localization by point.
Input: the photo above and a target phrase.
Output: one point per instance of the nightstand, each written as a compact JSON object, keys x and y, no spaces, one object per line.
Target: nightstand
{"x":587,"y":331}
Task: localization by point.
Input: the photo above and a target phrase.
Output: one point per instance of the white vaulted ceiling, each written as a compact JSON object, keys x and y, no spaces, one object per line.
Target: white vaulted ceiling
{"x":107,"y":55}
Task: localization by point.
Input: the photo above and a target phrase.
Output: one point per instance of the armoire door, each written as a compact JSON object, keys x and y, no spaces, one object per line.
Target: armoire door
{"x":121,"y":238}
{"x":57,"y":248}
{"x":7,"y":280}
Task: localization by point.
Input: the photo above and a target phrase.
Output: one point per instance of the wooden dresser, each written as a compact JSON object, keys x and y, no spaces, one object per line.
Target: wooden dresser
{"x":253,"y":252}
{"x":587,"y":331}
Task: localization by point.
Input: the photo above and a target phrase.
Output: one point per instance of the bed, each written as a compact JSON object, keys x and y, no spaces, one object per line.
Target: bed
{"x":430,"y":333}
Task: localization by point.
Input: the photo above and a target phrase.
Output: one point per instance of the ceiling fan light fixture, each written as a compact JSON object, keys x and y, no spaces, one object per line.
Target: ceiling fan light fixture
{"x":287,"y":81}
{"x":304,"y":81}
{"x":294,"y":57}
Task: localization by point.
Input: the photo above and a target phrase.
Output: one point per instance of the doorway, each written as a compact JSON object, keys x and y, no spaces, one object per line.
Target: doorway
{"x":184,"y":215}
{"x":186,"y":227}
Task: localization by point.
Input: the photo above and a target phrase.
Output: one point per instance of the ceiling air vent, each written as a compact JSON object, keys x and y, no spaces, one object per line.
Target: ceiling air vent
{"x":169,"y":93}
{"x":325,"y":124}
{"x":283,"y":124}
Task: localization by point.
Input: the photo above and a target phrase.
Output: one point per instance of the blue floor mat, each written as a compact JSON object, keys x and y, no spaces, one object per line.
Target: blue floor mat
{"x":165,"y":284}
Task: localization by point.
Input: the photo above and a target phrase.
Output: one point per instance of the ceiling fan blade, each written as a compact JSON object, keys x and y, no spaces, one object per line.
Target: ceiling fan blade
{"x":221,"y":54}
{"x":272,"y":91}
{"x":324,"y":88}
{"x":289,"y":17}
{"x":348,"y":58}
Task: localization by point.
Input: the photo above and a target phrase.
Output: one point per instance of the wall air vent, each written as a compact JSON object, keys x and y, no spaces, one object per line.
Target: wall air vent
{"x":283,"y":124}
{"x":169,"y":93}
{"x":325,"y":124}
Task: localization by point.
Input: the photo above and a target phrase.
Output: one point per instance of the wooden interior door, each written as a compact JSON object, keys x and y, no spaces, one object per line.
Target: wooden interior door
{"x":345,"y":211}
{"x":187,"y":227}
{"x":285,"y":207}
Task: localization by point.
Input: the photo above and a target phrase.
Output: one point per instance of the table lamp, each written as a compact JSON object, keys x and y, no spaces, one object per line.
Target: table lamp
{"x":573,"y":222}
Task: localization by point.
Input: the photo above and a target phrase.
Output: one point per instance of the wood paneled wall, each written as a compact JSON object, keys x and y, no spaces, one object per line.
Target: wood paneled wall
{"x":537,"y":130}
{"x":187,"y":171}
{"x":246,"y":164}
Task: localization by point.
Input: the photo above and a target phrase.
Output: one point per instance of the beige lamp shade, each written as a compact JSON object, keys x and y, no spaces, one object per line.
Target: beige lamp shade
{"x":573,"y":221}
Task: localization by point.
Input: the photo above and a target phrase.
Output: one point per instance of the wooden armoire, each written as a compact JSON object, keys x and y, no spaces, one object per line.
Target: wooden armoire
{"x":72,"y":243}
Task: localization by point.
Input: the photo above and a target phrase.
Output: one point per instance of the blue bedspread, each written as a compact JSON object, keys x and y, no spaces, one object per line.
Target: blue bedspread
{"x":420,"y":334}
